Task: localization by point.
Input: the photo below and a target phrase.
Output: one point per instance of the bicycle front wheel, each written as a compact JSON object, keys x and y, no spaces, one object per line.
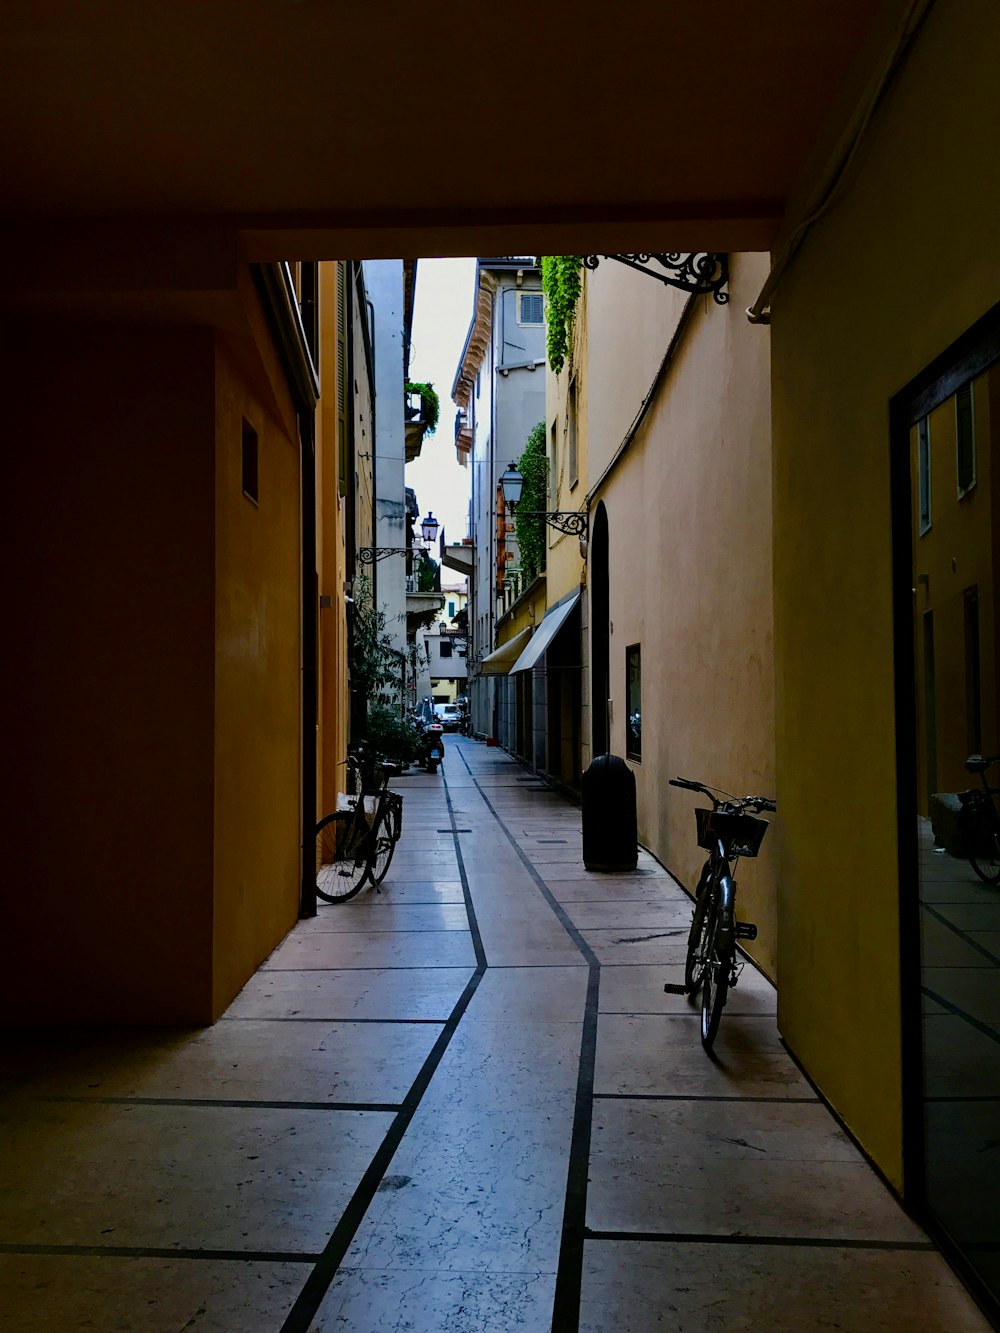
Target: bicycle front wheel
{"x":341,"y":857}
{"x":698,"y":936}
{"x":383,"y":846}
{"x":715,"y":984}
{"x":988,"y":867}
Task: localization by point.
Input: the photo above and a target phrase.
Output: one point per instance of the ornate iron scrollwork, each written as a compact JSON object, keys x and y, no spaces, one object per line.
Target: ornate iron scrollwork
{"x":572,"y":522}
{"x":369,"y":554}
{"x":699,"y":271}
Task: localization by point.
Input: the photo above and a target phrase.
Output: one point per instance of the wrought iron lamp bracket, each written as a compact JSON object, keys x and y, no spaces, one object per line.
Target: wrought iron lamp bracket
{"x":697,"y":271}
{"x":573,"y":522}
{"x":369,"y":554}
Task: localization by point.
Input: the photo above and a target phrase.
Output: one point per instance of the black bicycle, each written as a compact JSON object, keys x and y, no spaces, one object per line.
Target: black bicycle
{"x":727,"y":832}
{"x":354,"y":844}
{"x":980,"y":822}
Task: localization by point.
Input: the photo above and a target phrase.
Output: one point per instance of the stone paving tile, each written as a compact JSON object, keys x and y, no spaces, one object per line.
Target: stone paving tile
{"x":631,"y":1287}
{"x":735,"y":1168}
{"x":649,"y":1054}
{"x":48,"y":1293}
{"x":308,"y":1062}
{"x":193,"y":1177}
{"x":429,"y":993}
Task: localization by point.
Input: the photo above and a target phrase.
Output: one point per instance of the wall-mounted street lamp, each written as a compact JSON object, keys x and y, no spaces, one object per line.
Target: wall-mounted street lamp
{"x":428,"y":529}
{"x":369,"y":554}
{"x":695,"y":272}
{"x":575,"y":522}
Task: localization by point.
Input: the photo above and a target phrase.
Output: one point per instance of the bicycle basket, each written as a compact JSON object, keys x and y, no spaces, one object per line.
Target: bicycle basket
{"x":742,"y":834}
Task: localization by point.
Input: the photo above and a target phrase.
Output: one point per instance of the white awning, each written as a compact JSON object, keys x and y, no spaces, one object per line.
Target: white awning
{"x":552,"y":623}
{"x":499,"y":662}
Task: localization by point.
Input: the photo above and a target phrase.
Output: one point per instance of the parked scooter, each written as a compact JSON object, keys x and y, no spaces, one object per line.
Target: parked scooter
{"x":432,"y":743}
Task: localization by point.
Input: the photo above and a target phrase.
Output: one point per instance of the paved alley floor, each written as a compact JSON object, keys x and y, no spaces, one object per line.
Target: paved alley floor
{"x":463,"y":1105}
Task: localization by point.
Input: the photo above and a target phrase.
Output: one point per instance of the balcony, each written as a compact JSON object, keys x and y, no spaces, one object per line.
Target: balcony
{"x":420,"y":417}
{"x":460,"y":556}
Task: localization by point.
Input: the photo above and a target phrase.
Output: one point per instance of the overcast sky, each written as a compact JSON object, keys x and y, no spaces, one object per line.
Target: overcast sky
{"x":442,"y":313}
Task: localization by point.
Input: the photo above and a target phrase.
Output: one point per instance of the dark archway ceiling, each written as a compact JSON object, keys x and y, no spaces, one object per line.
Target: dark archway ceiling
{"x":312,"y":117}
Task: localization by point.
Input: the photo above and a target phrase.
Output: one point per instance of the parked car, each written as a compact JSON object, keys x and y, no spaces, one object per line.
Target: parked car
{"x":449,"y":715}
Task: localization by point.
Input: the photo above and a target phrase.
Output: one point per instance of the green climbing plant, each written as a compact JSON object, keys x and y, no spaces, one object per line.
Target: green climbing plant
{"x":374,"y":660}
{"x":561,"y":285}
{"x":530,"y":532}
{"x":429,"y":401}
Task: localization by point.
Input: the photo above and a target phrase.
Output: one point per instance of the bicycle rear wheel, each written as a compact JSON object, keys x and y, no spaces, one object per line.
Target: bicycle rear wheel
{"x":341,"y":857}
{"x":697,"y":948}
{"x":715,"y":983}
{"x":383,"y":846}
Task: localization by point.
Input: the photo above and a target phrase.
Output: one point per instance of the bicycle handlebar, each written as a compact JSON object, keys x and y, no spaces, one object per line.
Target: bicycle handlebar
{"x":756,"y":803}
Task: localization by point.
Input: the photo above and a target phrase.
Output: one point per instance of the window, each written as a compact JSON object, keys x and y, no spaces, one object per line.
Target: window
{"x":445,"y":647}
{"x":571,"y":435}
{"x":965,"y":439}
{"x":633,"y":692}
{"x":973,"y":681}
{"x":451,"y":610}
{"x":924,"y":470}
{"x":530,"y":308}
{"x":250,"y":463}
{"x":554,"y":464}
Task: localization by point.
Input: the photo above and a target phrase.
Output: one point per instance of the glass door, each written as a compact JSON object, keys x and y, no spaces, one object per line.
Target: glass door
{"x":952,"y":972}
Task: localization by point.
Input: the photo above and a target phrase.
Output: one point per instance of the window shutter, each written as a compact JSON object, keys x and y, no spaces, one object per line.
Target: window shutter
{"x":343,"y":452}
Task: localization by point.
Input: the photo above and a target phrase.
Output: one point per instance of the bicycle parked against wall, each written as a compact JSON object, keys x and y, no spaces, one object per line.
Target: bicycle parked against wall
{"x":980,"y":822}
{"x":355,"y":843}
{"x":727,"y":832}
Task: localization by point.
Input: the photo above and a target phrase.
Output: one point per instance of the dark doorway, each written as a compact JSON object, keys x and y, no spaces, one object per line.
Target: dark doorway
{"x":600,"y":631}
{"x":946,"y":531}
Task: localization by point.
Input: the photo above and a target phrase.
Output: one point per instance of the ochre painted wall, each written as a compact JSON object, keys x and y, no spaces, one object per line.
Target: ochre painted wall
{"x":689,"y":515}
{"x":257,"y":681}
{"x":109,"y":529}
{"x":900,"y":267}
{"x":331,"y":568}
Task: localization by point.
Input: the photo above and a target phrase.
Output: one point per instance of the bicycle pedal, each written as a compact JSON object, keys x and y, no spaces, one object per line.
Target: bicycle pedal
{"x":745,"y":930}
{"x":672,"y":988}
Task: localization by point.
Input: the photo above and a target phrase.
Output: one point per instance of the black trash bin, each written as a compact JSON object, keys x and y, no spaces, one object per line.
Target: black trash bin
{"x":610,"y":830}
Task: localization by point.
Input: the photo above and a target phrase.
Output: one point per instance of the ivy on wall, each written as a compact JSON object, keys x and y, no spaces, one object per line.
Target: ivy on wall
{"x":561,"y":285}
{"x":530,"y":532}
{"x":429,"y":402}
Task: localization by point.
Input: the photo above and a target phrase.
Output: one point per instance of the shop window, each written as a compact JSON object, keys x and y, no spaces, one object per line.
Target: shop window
{"x":250,"y":463}
{"x":633,"y":692}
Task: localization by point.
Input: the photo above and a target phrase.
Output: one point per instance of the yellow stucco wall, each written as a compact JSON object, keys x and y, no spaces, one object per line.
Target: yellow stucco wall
{"x":903,"y":264}
{"x":689,"y":511}
{"x":257,"y":684}
{"x":109,"y":743}
{"x":332,"y":678}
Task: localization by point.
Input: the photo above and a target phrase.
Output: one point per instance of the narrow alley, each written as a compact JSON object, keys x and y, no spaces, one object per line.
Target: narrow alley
{"x":462,"y":1104}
